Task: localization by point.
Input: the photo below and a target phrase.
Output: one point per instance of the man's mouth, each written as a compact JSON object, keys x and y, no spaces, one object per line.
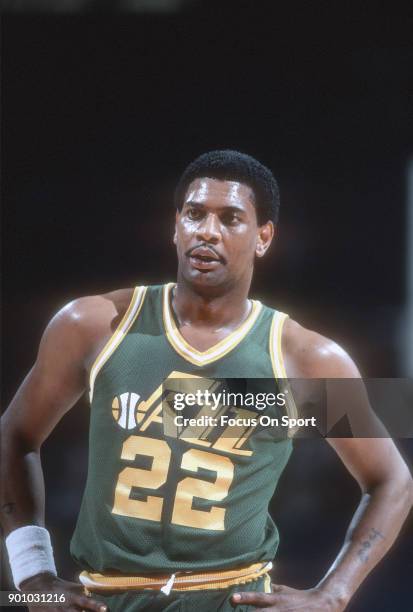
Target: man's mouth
{"x":204,"y":259}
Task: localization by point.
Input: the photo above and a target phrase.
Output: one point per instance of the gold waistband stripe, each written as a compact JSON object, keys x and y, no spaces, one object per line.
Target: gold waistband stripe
{"x":183,"y":581}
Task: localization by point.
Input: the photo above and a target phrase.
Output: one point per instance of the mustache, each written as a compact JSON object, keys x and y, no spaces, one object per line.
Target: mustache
{"x":207,"y":247}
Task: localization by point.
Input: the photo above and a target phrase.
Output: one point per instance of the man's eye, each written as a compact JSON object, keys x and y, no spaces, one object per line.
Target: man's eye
{"x":194,"y":213}
{"x":230,"y":219}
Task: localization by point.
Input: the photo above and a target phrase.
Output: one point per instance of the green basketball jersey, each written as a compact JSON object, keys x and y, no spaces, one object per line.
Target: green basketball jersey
{"x":159,"y":503}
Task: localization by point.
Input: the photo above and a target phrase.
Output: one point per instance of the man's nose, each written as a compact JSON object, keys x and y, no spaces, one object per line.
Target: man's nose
{"x":209,"y":229}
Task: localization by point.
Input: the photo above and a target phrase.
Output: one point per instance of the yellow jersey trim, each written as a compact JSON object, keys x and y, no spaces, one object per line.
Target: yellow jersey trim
{"x":187,"y":581}
{"x":277,"y":359}
{"x":128,"y":319}
{"x":267,"y":584}
{"x":278,"y":365}
{"x":219,"y":350}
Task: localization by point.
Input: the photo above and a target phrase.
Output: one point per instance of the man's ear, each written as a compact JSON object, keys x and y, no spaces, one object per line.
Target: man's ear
{"x":265,"y":235}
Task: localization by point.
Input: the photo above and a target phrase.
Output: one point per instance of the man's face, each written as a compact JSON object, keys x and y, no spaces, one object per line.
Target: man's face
{"x":217,"y":235}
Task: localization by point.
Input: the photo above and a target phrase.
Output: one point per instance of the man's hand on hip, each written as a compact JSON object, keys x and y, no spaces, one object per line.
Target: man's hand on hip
{"x":75,"y":598}
{"x":284,"y":598}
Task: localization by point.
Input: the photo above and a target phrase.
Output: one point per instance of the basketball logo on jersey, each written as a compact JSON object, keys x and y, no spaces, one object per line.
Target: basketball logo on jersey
{"x":124,"y":410}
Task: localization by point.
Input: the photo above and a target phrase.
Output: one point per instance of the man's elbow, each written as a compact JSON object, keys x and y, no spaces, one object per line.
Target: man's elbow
{"x":406,"y":485}
{"x":396,"y":484}
{"x":409,"y":491}
{"x":15,"y":440}
{"x":401,"y":487}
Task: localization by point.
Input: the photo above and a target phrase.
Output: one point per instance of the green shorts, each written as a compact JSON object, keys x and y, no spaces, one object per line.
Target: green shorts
{"x":183,"y":601}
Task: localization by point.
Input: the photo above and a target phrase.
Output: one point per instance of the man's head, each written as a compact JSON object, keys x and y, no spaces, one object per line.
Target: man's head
{"x":227,"y":204}
{"x":230,"y":165}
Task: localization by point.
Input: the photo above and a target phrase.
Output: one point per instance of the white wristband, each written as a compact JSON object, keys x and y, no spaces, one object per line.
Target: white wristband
{"x":30,"y":553}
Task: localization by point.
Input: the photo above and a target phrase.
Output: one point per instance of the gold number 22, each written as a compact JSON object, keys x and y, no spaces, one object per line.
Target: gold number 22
{"x":187,"y":489}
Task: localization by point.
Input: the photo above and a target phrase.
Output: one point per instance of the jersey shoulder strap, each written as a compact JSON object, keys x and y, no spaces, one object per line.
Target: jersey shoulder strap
{"x":277,"y":359}
{"x":119,"y":334}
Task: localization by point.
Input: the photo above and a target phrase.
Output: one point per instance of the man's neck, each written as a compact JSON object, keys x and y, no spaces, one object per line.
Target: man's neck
{"x":224,"y":311}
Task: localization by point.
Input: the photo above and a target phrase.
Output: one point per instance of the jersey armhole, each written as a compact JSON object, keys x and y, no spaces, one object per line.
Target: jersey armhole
{"x":278,"y":366}
{"x":277,"y":359}
{"x":119,"y":334}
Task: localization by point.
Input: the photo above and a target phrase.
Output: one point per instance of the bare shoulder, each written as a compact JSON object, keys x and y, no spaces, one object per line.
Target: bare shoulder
{"x":308,"y":354}
{"x":95,"y":310}
{"x":84,"y":325}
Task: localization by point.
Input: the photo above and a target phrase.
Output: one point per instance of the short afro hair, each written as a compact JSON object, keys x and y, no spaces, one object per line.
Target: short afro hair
{"x":227,"y":165}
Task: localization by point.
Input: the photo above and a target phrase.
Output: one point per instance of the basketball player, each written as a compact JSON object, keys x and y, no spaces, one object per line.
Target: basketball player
{"x":183,"y":524}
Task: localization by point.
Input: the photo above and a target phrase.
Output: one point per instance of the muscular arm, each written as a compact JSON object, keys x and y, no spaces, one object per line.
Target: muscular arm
{"x":386,"y":499}
{"x":52,"y":387}
{"x":386,"y":489}
{"x":384,"y":479}
{"x":58,"y":378}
